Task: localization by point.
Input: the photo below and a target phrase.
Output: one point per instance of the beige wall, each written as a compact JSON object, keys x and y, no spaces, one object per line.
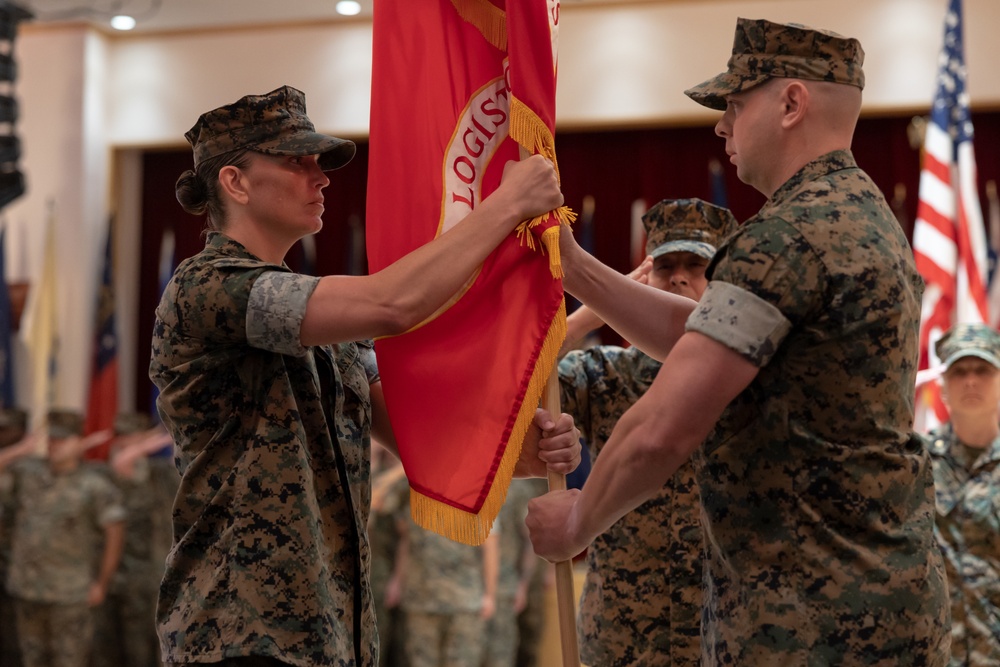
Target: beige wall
{"x":86,"y":96}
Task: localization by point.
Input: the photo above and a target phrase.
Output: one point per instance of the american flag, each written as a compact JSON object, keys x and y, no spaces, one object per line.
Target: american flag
{"x":949,"y":238}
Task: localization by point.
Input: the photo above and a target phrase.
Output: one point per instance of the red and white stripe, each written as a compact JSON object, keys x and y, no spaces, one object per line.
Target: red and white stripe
{"x":949,"y":244}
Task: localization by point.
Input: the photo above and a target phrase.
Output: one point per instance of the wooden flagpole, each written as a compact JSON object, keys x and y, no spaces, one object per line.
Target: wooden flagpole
{"x":565,"y":602}
{"x":564,"y":570}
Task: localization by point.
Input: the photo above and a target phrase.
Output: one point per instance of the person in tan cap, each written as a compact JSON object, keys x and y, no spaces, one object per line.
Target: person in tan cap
{"x":654,"y":553}
{"x":965,"y":452}
{"x":271,"y":401}
{"x":791,"y":384}
{"x":67,"y":536}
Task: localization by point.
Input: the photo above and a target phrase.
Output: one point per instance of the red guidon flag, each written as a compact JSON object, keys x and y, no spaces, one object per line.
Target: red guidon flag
{"x":454,"y":84}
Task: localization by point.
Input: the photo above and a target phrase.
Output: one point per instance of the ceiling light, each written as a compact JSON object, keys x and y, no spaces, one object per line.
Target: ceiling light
{"x":348,"y":7}
{"x":122,"y":22}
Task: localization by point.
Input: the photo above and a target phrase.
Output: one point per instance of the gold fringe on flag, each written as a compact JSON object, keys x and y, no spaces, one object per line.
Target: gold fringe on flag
{"x":527,"y":129}
{"x":488,"y":19}
{"x":473,"y":529}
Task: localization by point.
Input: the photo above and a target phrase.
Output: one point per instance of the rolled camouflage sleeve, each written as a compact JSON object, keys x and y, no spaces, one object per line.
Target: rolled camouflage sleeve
{"x":741,"y":321}
{"x":276,"y":309}
{"x":766,"y":279}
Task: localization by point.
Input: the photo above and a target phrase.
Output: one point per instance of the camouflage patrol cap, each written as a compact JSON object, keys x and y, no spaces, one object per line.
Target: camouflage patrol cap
{"x":13,"y":418}
{"x":686,"y":225}
{"x":64,"y":424}
{"x":131,"y":422}
{"x":969,"y":340}
{"x":274,"y":123}
{"x":763,"y":50}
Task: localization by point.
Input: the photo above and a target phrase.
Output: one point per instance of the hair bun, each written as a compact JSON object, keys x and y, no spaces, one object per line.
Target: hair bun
{"x":191,"y":192}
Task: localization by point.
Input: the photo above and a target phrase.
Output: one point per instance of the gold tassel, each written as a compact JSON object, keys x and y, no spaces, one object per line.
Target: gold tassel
{"x":473,"y":529}
{"x":489,"y":19}
{"x":550,"y":237}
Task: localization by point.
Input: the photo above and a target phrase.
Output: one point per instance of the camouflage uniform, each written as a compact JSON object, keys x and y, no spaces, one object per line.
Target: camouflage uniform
{"x":163,"y":484}
{"x":272,"y":440}
{"x":641,"y":601}
{"x":967,"y":487}
{"x":531,"y":619}
{"x":442,"y":598}
{"x":13,"y":424}
{"x":967,"y":481}
{"x":817,"y":497}
{"x":124,"y":632}
{"x":384,"y":538}
{"x":501,"y":634}
{"x":58,"y":540}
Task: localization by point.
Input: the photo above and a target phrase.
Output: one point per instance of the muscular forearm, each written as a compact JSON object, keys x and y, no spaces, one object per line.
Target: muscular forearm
{"x":410,"y":290}
{"x":649,"y":443}
{"x":633,"y":467}
{"x":650,"y":319}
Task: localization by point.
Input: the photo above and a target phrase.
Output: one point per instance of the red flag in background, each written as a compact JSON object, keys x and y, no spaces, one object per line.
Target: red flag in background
{"x":462,"y":388}
{"x":102,"y":404}
{"x":949,"y":238}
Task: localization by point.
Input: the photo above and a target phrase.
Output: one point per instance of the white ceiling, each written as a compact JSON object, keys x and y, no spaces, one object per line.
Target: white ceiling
{"x":176,"y":15}
{"x":170,"y":15}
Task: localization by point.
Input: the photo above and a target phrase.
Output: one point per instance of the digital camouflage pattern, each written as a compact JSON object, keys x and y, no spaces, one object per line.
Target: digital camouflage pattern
{"x":54,"y":635}
{"x":442,"y":596}
{"x":274,"y":123}
{"x":817,"y":497}
{"x":500,"y":636}
{"x":56,"y":525}
{"x":531,"y":619}
{"x":444,"y":640}
{"x":686,"y":225}
{"x":390,"y":493}
{"x":967,"y":488}
{"x":763,"y":50}
{"x":969,"y":340}
{"x":58,"y":529}
{"x":641,"y":600}
{"x":442,"y":576}
{"x":272,"y":440}
{"x":163,"y":483}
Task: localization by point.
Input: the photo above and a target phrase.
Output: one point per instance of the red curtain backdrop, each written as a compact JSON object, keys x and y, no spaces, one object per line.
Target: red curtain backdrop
{"x":615,"y":167}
